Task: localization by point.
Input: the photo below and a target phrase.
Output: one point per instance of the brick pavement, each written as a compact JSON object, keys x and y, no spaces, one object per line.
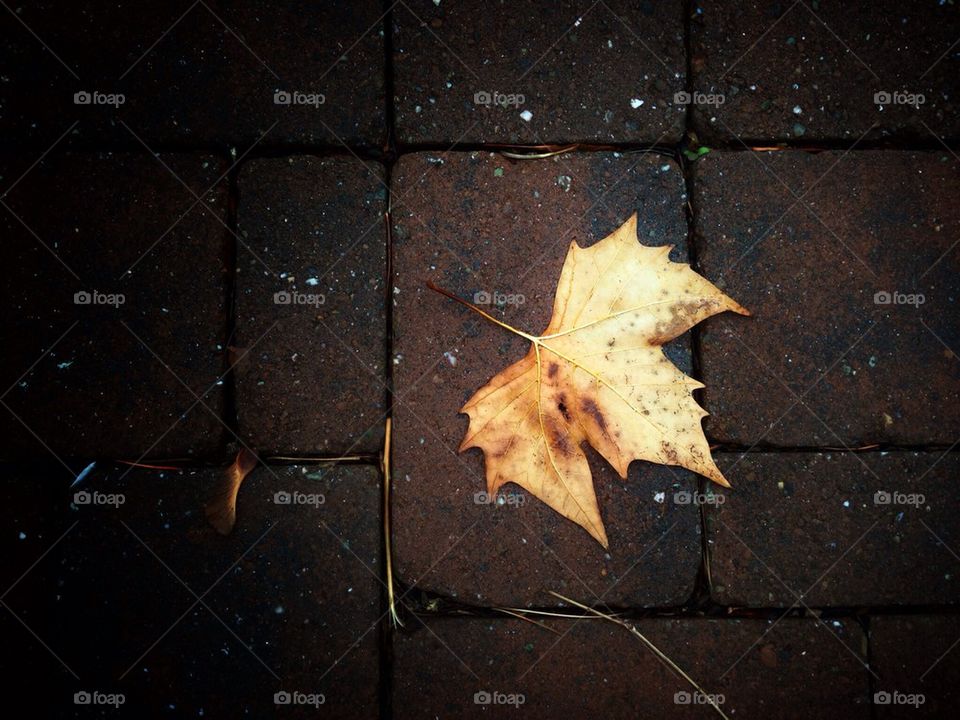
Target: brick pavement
{"x":226,"y":259}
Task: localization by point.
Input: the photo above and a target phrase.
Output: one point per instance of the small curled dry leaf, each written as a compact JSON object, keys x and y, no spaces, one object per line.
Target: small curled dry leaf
{"x":221,"y":508}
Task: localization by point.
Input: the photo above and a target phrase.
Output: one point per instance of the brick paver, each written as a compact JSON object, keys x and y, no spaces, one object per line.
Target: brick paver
{"x":311,"y":305}
{"x":869,"y":227}
{"x":839,"y":529}
{"x":808,"y":71}
{"x":120,"y":319}
{"x":461,"y":69}
{"x":595,"y":669}
{"x":196,"y":73}
{"x":107,"y":597}
{"x":479,"y":223}
{"x":916,"y":662}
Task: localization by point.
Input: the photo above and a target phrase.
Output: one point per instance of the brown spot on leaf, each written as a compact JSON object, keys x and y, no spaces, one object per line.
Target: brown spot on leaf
{"x":683,"y":316}
{"x":591,"y":409}
{"x":669,"y":453}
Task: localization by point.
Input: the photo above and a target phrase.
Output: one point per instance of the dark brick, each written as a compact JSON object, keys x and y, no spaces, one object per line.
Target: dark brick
{"x":283,"y":599}
{"x":870,"y":221}
{"x":829,"y":60}
{"x":596,"y":669}
{"x":579,"y":67}
{"x":315,"y":382}
{"x":915,"y":655}
{"x":809,"y":528}
{"x":77,"y":375}
{"x":478,"y":222}
{"x":195,"y":72}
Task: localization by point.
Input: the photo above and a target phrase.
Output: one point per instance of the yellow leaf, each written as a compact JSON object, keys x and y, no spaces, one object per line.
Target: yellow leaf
{"x":598,"y":375}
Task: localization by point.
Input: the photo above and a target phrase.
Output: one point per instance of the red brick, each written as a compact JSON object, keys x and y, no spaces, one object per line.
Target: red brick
{"x":809,"y":528}
{"x":479,"y":222}
{"x":871,"y":221}
{"x":289,"y":585}
{"x":581,"y":68}
{"x":122,"y":381}
{"x":315,"y":382}
{"x":596,"y":669}
{"x":915,"y":655}
{"x":828,"y":60}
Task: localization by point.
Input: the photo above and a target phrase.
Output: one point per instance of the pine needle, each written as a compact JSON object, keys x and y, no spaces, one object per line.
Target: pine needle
{"x":520,"y":616}
{"x":385,"y":467}
{"x":659,"y":653}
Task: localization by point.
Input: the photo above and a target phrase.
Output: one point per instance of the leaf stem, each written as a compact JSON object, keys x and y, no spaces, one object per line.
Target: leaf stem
{"x":535,"y":340}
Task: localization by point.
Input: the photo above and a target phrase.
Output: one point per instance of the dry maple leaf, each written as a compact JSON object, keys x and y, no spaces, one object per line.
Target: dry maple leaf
{"x":598,"y":375}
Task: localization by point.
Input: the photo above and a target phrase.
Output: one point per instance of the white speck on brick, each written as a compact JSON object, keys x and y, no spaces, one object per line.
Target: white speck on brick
{"x":526,"y":115}
{"x":635,"y":103}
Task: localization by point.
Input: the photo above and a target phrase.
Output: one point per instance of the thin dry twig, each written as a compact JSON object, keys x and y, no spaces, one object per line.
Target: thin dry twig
{"x":537,"y":156}
{"x":657,"y":651}
{"x":150,"y":467}
{"x":553,"y":614}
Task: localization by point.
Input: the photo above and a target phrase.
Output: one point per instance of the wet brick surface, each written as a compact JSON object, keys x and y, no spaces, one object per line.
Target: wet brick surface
{"x":813,"y":71}
{"x":835,"y":529}
{"x":143,"y":597}
{"x":822,"y":362}
{"x":312,"y":378}
{"x":88,"y":374}
{"x":461,"y":67}
{"x":753,"y":664}
{"x":480,"y":223}
{"x":914,"y":656}
{"x":195,"y":72}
